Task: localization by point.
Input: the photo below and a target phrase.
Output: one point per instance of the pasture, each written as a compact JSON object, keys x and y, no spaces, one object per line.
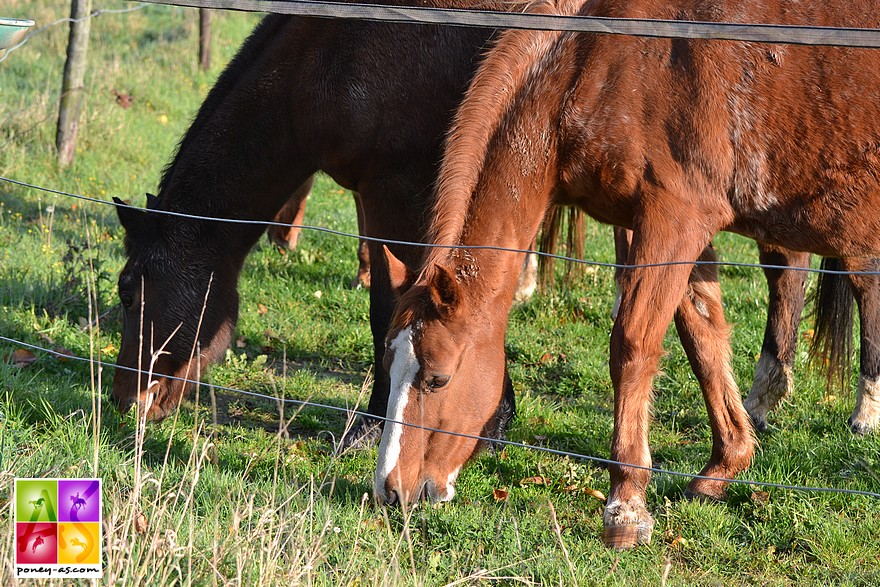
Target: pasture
{"x":236,"y":490}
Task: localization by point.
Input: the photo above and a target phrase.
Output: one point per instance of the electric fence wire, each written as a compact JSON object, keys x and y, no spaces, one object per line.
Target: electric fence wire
{"x":93,"y":14}
{"x":341,"y":233}
{"x":495,"y":441}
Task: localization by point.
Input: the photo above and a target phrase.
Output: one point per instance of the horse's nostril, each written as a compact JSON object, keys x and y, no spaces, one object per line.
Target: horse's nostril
{"x":392,"y":498}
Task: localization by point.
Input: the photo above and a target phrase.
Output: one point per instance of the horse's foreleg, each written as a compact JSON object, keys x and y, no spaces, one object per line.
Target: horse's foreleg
{"x":866,"y":415}
{"x":292,"y":214}
{"x":773,"y":375}
{"x":704,"y":336}
{"x":622,"y":242}
{"x":649,"y":297}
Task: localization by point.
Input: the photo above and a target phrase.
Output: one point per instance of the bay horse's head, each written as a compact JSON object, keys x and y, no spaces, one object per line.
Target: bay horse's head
{"x":440,"y":380}
{"x":179,"y":304}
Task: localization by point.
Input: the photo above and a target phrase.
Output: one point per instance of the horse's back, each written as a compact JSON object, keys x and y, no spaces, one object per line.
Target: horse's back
{"x":770,"y":127}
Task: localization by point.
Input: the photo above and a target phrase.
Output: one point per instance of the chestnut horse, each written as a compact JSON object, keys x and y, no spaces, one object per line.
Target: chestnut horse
{"x":368,"y":103}
{"x":675,"y":139}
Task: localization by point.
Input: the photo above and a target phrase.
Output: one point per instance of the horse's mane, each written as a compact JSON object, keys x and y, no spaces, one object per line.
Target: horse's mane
{"x":479,"y":118}
{"x":226,"y":82}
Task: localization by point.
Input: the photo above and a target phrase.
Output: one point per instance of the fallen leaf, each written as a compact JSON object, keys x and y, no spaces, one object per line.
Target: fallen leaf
{"x":536,"y":480}
{"x":318,"y":294}
{"x":109,"y":349}
{"x":140,"y":523}
{"x":760,"y":497}
{"x":23,"y":357}
{"x":241,"y":342}
{"x":261,"y":309}
{"x":500,"y":494}
{"x":63,"y":354}
{"x":546,"y":357}
{"x":45,"y":337}
{"x":123,"y":99}
{"x":267,"y":349}
{"x":808,"y":334}
{"x":271,"y":335}
{"x":595,"y":493}
{"x":163,"y":119}
{"x":679,"y":542}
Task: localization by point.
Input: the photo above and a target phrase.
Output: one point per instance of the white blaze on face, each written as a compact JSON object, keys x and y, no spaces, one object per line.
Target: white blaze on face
{"x":404,"y":369}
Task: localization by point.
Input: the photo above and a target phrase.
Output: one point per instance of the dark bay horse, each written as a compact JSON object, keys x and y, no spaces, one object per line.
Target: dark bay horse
{"x":675,"y":139}
{"x":368,"y":103}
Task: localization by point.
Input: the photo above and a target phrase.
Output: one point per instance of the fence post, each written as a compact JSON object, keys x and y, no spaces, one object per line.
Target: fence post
{"x":205,"y":38}
{"x":72,"y":83}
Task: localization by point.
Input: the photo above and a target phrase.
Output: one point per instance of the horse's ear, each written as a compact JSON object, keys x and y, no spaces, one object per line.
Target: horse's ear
{"x":136,"y":222}
{"x":445,"y":291}
{"x":401,"y":276}
{"x":152,"y":201}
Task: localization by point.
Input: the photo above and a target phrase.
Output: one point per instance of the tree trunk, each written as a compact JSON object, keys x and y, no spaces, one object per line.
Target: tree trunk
{"x":72,"y":83}
{"x":205,"y":39}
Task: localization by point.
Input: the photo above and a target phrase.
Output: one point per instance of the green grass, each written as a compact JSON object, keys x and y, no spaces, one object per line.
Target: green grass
{"x":228,"y":499}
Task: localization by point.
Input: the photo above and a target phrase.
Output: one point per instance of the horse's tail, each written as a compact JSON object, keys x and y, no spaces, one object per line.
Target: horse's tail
{"x":557,"y":222}
{"x":833,"y":302}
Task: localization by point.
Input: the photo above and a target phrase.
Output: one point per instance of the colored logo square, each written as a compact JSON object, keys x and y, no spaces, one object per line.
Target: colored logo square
{"x":35,"y":543}
{"x":35,"y":500}
{"x":79,"y":500}
{"x":79,"y":543}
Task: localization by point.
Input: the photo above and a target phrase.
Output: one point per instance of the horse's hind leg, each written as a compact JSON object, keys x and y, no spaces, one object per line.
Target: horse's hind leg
{"x":292,"y":213}
{"x":704,"y":335}
{"x":773,"y":375}
{"x":362,"y":279}
{"x":866,"y":416}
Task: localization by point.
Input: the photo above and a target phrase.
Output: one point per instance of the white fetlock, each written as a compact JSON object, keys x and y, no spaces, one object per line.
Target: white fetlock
{"x":866,"y":415}
{"x":627,"y":524}
{"x":773,"y":382}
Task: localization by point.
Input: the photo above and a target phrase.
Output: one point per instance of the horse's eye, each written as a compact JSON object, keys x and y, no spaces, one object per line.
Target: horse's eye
{"x":127,"y":299}
{"x":438,"y":381}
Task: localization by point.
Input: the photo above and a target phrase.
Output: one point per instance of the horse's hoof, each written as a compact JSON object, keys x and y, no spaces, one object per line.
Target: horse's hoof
{"x":705,"y":495}
{"x":282,"y":240}
{"x":627,"y":524}
{"x":364,"y":434}
{"x":759,"y":423}
{"x":860,"y":428}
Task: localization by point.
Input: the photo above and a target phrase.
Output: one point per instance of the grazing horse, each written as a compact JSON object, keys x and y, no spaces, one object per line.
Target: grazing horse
{"x":368,"y":103}
{"x":675,"y":139}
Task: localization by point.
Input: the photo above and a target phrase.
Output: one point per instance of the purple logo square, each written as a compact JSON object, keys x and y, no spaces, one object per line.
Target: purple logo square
{"x":79,"y":500}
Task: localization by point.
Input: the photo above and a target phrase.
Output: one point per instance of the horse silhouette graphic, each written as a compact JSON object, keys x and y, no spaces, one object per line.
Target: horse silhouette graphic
{"x":37,"y":503}
{"x":38,"y":542}
{"x":78,"y":542}
{"x":78,"y":502}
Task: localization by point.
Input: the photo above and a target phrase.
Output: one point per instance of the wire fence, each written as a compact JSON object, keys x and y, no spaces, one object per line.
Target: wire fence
{"x":344,"y":234}
{"x":93,"y":14}
{"x":847,"y":37}
{"x":496,"y":441}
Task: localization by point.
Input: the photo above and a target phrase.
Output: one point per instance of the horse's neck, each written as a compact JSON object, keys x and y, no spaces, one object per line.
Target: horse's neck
{"x":237,"y":159}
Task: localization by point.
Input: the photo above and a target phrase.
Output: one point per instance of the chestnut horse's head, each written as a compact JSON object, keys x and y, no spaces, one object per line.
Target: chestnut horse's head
{"x":440,"y":380}
{"x":179,"y":305}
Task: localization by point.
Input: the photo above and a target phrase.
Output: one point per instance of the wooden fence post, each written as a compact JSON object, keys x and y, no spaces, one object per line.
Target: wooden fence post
{"x":72,"y":83}
{"x":205,"y":39}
